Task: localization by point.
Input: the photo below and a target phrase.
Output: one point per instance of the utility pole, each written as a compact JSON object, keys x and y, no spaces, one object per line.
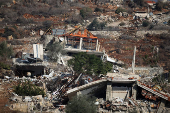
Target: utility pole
{"x":133,"y":61}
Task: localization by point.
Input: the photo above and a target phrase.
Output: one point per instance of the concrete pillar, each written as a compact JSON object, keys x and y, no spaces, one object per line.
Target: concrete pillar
{"x":81,"y":39}
{"x":133,"y":61}
{"x":134,"y":91}
{"x":109,"y":91}
{"x":97,"y":44}
{"x":65,"y":39}
{"x":98,"y":49}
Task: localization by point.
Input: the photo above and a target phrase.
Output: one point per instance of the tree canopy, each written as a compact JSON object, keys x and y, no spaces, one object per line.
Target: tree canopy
{"x":139,"y":2}
{"x":54,"y":50}
{"x":89,"y":64}
{"x":159,"y":6}
{"x":81,"y":104}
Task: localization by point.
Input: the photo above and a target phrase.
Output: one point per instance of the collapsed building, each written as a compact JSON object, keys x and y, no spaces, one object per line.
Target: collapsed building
{"x":30,"y":63}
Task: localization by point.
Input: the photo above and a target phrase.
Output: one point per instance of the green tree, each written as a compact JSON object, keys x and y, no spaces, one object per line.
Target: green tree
{"x":139,"y":2}
{"x":119,"y":9}
{"x":89,"y":64}
{"x":5,"y":52}
{"x":86,"y":12}
{"x":159,"y":6}
{"x":54,"y":50}
{"x":81,"y":104}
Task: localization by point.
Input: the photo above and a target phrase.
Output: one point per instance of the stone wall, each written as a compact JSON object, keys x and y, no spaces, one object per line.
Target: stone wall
{"x":141,"y":33}
{"x":148,"y":70}
{"x":112,"y":34}
{"x":116,"y":34}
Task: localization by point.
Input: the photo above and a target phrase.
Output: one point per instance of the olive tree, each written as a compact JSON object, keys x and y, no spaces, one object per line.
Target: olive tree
{"x":54,"y":50}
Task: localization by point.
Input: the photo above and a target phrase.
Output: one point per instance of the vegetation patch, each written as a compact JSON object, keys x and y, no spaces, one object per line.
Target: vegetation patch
{"x":89,"y":64}
{"x":28,"y":89}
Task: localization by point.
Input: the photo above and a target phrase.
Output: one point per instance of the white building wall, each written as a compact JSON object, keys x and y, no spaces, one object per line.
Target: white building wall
{"x":38,"y":51}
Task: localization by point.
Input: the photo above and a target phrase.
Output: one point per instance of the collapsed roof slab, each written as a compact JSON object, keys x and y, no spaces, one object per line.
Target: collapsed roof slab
{"x":87,"y":51}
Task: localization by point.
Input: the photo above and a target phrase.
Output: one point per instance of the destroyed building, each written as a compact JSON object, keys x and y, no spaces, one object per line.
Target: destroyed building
{"x":30,"y":64}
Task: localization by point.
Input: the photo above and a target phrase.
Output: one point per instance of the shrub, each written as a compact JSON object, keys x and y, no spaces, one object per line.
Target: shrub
{"x":145,"y":23}
{"x":85,"y":12}
{"x":11,"y":31}
{"x":139,"y":2}
{"x":5,"y":51}
{"x":4,"y":66}
{"x":95,"y":25}
{"x":122,"y":24}
{"x":97,"y":10}
{"x":119,"y":9}
{"x":28,"y":89}
{"x":47,"y":24}
{"x":159,"y":6}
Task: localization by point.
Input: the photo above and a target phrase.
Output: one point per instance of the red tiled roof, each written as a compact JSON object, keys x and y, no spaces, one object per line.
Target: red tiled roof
{"x":150,"y":2}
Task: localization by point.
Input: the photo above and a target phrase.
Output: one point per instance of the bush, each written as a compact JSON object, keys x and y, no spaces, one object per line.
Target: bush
{"x":95,"y":25}
{"x":5,"y":51}
{"x":139,"y":2}
{"x":4,"y":66}
{"x":159,"y":6}
{"x":28,"y":89}
{"x":97,"y":10}
{"x":145,"y":23}
{"x":122,"y":24}
{"x":119,"y":9}
{"x":47,"y":24}
{"x":85,"y":12}
{"x":131,"y":4}
{"x":11,"y":31}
